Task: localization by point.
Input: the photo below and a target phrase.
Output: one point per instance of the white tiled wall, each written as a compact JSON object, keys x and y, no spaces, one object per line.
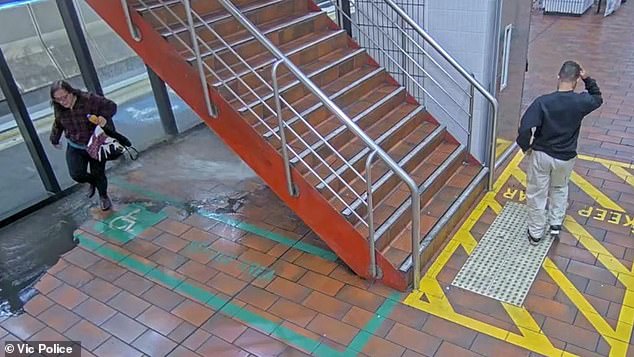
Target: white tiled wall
{"x":464,"y":30}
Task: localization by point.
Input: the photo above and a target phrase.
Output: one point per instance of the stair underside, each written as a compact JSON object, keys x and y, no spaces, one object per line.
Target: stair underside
{"x":326,"y":153}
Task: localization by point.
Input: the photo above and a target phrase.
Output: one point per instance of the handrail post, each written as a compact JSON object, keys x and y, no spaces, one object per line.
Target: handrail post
{"x":416,"y":234}
{"x":134,"y":31}
{"x":211,"y":109}
{"x":494,"y":129}
{"x":368,"y":175}
{"x":471,"y":108}
{"x":292,"y":189}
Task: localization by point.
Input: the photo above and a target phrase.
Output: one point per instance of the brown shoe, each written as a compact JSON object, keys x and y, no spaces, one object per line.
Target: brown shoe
{"x":105,"y":203}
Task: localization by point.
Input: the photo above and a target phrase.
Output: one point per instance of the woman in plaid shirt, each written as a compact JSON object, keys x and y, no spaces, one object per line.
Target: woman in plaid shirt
{"x":72,"y":111}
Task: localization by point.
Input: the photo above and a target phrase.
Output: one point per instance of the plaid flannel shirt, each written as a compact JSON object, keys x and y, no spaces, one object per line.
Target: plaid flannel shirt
{"x":74,"y":122}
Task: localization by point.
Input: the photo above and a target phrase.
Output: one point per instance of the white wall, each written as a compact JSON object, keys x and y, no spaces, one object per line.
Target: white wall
{"x":465,"y":30}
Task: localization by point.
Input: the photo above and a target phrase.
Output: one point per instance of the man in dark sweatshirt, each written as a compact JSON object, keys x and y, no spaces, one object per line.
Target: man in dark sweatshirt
{"x":553,"y":122}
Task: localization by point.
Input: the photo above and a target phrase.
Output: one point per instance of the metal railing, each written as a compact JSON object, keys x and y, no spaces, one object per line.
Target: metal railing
{"x":231,"y":76}
{"x":394,"y":39}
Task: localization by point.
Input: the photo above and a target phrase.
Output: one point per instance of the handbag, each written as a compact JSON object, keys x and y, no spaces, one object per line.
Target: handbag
{"x":110,"y":145}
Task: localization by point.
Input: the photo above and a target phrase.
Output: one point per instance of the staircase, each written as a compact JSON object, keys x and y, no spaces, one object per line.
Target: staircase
{"x":327,"y":160}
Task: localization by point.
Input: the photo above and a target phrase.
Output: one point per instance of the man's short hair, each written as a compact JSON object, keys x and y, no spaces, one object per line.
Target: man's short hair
{"x":570,"y":71}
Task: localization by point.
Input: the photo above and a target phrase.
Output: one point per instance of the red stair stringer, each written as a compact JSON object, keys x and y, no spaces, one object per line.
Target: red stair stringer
{"x":310,"y":206}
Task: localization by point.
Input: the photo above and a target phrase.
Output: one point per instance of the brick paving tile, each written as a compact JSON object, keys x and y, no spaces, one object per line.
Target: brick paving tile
{"x":81,"y":258}
{"x":415,"y":340}
{"x":256,"y":242}
{"x":449,"y":349}
{"x":124,"y":327}
{"x":315,"y":263}
{"x":90,"y":335}
{"x":192,"y":312}
{"x":153,"y":344}
{"x":197,"y":271}
{"x":450,"y":332}
{"x":360,"y":297}
{"x":572,"y":334}
{"x":292,"y":312}
{"x":254,"y":256}
{"x":128,"y":304}
{"x":47,"y":284}
{"x":592,"y":272}
{"x":141,"y":247}
{"x":554,"y":309}
{"x":174,"y":227}
{"x":259,"y":344}
{"x":157,"y":274}
{"x":581,"y":352}
{"x":150,"y":233}
{"x":227,"y":232}
{"x":167,"y":258}
{"x":333,"y":329}
{"x":67,"y":296}
{"x":288,"y":289}
{"x":196,"y":339}
{"x":133,"y":283}
{"x":197,"y":254}
{"x":94,"y":311}
{"x":378,"y":347}
{"x":48,"y":334}
{"x":216,"y":347}
{"x":36,"y":305}
{"x":59,"y":318}
{"x":59,"y":266}
{"x":198,"y":221}
{"x":327,"y":305}
{"x":159,"y":320}
{"x":162,"y":297}
{"x":360,"y":318}
{"x":292,"y":352}
{"x":180,"y":351}
{"x":257,"y":297}
{"x":170,"y":242}
{"x":344,"y":275}
{"x":321,"y":283}
{"x":100,"y":289}
{"x":224,"y":327}
{"x":291,"y":271}
{"x":489,"y":346}
{"x":228,"y":247}
{"x":272,"y":320}
{"x":181,"y":332}
{"x":107,"y":270}
{"x":114,"y":347}
{"x":226,"y":284}
{"x":23,"y":326}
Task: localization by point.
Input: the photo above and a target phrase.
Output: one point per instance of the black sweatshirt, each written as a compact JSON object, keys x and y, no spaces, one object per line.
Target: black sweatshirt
{"x":557,"y":118}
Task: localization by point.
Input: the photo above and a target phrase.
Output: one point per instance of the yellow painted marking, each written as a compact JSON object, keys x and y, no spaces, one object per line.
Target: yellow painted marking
{"x":501,"y":146}
{"x":622,"y":173}
{"x":594,"y":193}
{"x":531,"y":336}
{"x":617,"y":339}
{"x":606,"y":162}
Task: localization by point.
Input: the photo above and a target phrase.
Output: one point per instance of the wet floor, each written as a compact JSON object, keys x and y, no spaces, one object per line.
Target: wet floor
{"x":203,"y":176}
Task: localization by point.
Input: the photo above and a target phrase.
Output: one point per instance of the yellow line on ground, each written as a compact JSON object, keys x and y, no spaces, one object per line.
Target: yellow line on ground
{"x":600,"y":197}
{"x":606,"y":161}
{"x":622,"y":173}
{"x":531,"y":336}
{"x":617,"y":339}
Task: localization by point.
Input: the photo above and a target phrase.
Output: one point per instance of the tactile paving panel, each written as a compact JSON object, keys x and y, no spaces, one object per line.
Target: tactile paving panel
{"x":504,"y":264}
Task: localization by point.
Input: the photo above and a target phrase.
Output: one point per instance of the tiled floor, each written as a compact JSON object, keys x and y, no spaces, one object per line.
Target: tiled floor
{"x":176,"y":270}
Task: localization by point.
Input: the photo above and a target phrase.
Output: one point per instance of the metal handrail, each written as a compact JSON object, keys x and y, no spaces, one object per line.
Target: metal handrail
{"x":489,"y":97}
{"x":343,"y":117}
{"x":134,"y":31}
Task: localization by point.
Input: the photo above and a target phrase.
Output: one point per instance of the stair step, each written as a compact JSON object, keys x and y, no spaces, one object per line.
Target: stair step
{"x":279,"y":31}
{"x":386,"y":133}
{"x":313,"y":110}
{"x":385,"y":179}
{"x":373,"y":105}
{"x":321,"y":72}
{"x":430,"y":176}
{"x":301,"y":50}
{"x":398,"y":252}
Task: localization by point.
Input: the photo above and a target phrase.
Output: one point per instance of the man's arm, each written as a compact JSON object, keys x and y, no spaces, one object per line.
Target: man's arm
{"x":532,"y":118}
{"x":592,"y":99}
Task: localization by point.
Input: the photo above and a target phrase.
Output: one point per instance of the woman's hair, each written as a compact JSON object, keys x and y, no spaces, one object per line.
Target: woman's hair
{"x":61,"y":84}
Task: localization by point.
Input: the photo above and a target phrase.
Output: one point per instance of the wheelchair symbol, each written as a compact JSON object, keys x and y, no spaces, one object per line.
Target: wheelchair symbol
{"x":125,"y":223}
